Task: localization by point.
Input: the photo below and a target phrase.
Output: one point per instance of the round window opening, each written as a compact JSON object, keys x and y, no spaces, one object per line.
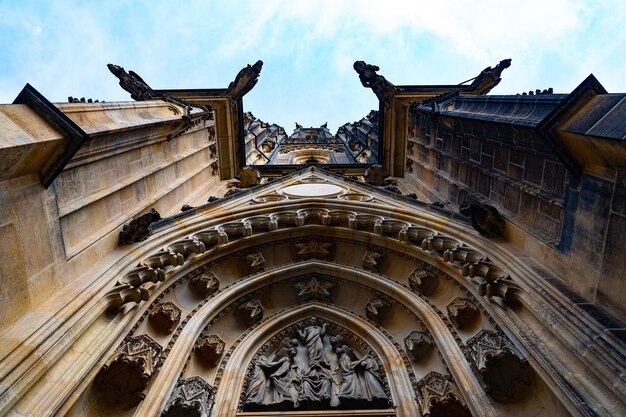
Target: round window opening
{"x":313,"y":190}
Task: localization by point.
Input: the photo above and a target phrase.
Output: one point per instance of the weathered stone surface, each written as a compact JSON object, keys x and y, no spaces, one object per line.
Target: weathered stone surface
{"x":376,"y":175}
{"x":138,"y":229}
{"x":210,"y":349}
{"x":441,"y":397}
{"x":506,"y":375}
{"x":249,"y":177}
{"x":485,"y":218}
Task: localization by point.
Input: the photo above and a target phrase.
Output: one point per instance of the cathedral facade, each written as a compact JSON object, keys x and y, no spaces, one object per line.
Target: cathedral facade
{"x":452,"y":253}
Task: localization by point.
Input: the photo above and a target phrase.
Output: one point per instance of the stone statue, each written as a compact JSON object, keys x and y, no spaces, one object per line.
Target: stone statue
{"x":313,"y":338}
{"x":245,"y":80}
{"x":489,"y":78}
{"x":274,"y":382}
{"x":383,"y":89}
{"x":360,"y":377}
{"x":130,"y":81}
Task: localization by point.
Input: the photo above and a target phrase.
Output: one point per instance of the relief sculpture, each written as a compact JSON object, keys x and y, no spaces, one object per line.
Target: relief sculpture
{"x":312,"y":369}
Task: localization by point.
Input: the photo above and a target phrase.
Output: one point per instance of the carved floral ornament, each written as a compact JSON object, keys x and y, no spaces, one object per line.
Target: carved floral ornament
{"x":192,"y":397}
{"x":440,"y":396}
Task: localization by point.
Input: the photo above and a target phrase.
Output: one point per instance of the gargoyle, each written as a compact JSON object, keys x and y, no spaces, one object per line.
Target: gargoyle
{"x":245,"y":80}
{"x":383,"y":89}
{"x":485,"y":218}
{"x":489,"y":78}
{"x":130,"y":81}
{"x":138,"y":229}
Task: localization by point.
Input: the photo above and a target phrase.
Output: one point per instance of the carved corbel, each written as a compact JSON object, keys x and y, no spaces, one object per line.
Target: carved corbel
{"x":462,"y":312}
{"x":187,"y":247}
{"x":142,"y":275}
{"x":205,"y":284}
{"x":192,"y":397}
{"x":210,"y":349}
{"x":165,"y":317}
{"x":378,"y":309}
{"x":164,"y":258}
{"x":492,"y":281}
{"x":505,"y":375}
{"x":123,"y":379}
{"x":418,"y":344}
{"x":125,"y":294}
{"x":370,"y":260}
{"x":423,"y":281}
{"x":440,"y":396}
{"x":249,"y":312}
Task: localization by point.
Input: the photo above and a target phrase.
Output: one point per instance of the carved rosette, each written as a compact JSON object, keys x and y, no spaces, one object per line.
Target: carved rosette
{"x":249,"y":312}
{"x":314,"y":289}
{"x":314,"y":249}
{"x":423,"y":281}
{"x":462,"y":312}
{"x":257,"y":261}
{"x":505,"y":374}
{"x":123,"y":379}
{"x":370,"y":260}
{"x":205,"y":284}
{"x":192,"y":397}
{"x":440,"y":396}
{"x":418,"y":344}
{"x":210,"y":349}
{"x":378,"y":309}
{"x":165,"y":317}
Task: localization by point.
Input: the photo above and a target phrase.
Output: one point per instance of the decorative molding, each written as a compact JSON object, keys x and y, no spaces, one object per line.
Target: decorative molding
{"x":505,"y":375}
{"x":165,"y":317}
{"x":423,"y":281}
{"x":249,"y":312}
{"x":205,"y":284}
{"x":462,"y":312}
{"x":418,"y":344}
{"x":192,"y":397}
{"x":378,"y":309}
{"x":439,"y":391}
{"x":210,"y":349}
{"x":314,"y":249}
{"x":125,"y":376}
{"x":370,"y":260}
{"x":257,"y":261}
{"x":314,"y":289}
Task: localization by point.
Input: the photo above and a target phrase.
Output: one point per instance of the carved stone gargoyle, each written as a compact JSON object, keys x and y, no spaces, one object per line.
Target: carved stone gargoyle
{"x":249,"y":177}
{"x":210,"y":349}
{"x":485,"y":218}
{"x":125,"y":376}
{"x":418,"y":344}
{"x":130,"y":81}
{"x":462,"y":312}
{"x":489,"y":78}
{"x":423,"y":281}
{"x":245,"y":80}
{"x":192,"y":397}
{"x":378,"y":309}
{"x":138,"y":229}
{"x":383,"y":89}
{"x":249,"y":312}
{"x":165,"y":317}
{"x":441,"y":397}
{"x":376,"y":175}
{"x":505,"y":374}
{"x":205,"y":284}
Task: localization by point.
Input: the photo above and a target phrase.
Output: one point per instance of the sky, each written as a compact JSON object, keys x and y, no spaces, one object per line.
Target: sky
{"x":308,"y":47}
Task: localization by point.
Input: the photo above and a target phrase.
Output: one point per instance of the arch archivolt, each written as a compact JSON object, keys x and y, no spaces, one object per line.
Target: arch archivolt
{"x":221,"y":247}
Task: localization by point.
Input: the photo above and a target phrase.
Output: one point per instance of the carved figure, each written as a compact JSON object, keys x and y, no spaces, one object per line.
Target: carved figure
{"x":273,"y":382}
{"x":314,"y":289}
{"x":138,"y":229}
{"x":360,"y":379}
{"x":423,"y":281}
{"x":370,"y":260}
{"x":489,"y":77}
{"x":249,"y":312}
{"x":312,"y":336}
{"x":383,"y":89}
{"x":245,"y":80}
{"x":485,"y":218}
{"x":378,"y":309}
{"x":130,"y":81}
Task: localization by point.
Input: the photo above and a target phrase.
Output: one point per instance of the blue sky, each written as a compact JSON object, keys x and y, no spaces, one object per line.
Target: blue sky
{"x":308,"y":47}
